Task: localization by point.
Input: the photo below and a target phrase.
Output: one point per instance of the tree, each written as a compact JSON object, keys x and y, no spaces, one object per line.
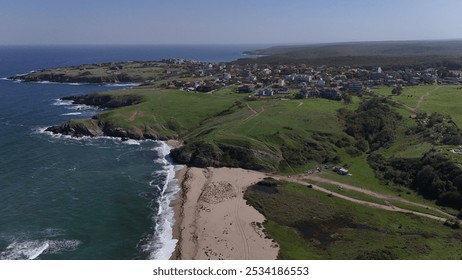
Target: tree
{"x":397,"y":90}
{"x":346,"y":98}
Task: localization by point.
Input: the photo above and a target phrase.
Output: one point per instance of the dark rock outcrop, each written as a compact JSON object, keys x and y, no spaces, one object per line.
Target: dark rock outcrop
{"x":105,"y":100}
{"x":203,"y":154}
{"x":78,"y":128}
{"x":94,"y":128}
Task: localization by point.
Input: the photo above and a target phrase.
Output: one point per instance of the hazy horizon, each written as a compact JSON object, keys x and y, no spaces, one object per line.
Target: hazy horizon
{"x":207,"y":22}
{"x":282,"y":44}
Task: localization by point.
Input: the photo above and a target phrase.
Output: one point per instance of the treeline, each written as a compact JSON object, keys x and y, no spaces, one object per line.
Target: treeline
{"x":373,"y":124}
{"x":386,"y":62}
{"x":209,"y":154}
{"x":434,"y":176}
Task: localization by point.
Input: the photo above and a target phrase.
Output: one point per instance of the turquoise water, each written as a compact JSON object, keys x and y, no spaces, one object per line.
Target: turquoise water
{"x":67,"y":198}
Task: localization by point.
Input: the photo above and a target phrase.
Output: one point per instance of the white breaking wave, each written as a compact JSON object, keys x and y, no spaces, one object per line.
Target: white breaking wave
{"x":87,"y":140}
{"x":60,"y":102}
{"x":162,"y":244}
{"x":132,"y":142}
{"x":71,"y":106}
{"x":83,"y":107}
{"x":122,"y":85}
{"x":72,"y":114}
{"x":32,"y":249}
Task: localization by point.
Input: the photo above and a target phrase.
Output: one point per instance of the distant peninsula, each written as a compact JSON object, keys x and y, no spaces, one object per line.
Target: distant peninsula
{"x":365,"y":54}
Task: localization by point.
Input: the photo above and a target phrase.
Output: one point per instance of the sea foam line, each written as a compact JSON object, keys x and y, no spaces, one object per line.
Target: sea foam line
{"x":162,"y":244}
{"x":43,"y":130}
{"x":32,"y":249}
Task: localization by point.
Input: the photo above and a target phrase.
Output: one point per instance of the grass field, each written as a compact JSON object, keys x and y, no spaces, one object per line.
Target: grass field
{"x":168,"y":111}
{"x":436,"y":98}
{"x":311,"y":225}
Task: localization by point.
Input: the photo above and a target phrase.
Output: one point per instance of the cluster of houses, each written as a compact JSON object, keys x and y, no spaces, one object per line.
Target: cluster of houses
{"x":304,"y":81}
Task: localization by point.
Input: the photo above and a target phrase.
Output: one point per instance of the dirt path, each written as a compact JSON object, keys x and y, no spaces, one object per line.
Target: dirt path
{"x":421,"y":99}
{"x":375,"y":194}
{"x":134,"y":115}
{"x":300,"y":180}
{"x":254,"y":113}
{"x":251,"y":109}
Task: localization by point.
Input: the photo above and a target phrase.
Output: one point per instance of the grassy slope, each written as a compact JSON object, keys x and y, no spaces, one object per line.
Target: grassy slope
{"x":167,"y":111}
{"x":310,"y":225}
{"x":441,"y":99}
{"x":226,"y":117}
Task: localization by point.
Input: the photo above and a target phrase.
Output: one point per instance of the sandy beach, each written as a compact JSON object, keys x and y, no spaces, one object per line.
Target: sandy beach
{"x":213,"y":220}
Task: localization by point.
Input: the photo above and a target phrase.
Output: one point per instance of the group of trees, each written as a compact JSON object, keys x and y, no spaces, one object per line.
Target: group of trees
{"x":397,"y":90}
{"x":434,"y":176}
{"x":374,"y":121}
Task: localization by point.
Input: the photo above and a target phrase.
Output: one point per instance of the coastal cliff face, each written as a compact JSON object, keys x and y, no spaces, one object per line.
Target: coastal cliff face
{"x":203,"y":154}
{"x":95,"y":127}
{"x":104,"y":100}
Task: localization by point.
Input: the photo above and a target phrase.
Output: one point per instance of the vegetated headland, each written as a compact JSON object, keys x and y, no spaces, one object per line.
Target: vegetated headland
{"x":358,"y":160}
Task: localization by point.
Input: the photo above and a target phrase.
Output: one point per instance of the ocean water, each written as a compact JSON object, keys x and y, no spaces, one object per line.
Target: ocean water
{"x":87,"y":198}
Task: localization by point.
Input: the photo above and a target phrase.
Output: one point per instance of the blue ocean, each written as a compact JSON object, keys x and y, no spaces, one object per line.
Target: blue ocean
{"x":82,"y":198}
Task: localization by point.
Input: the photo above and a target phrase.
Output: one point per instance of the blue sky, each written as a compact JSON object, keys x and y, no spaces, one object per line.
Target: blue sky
{"x":34,"y":22}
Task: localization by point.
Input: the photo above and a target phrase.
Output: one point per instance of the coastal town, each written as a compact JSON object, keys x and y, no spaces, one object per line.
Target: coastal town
{"x":300,"y":81}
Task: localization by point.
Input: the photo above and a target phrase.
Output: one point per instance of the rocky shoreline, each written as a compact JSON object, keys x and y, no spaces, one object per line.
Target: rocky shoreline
{"x":95,"y":127}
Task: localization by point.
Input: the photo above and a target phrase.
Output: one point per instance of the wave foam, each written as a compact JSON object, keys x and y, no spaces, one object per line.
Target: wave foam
{"x":72,"y":114}
{"x":72,"y":106}
{"x":60,"y":102}
{"x":83,"y":107}
{"x":32,"y":249}
{"x":132,"y":142}
{"x":161,"y":244}
{"x":87,"y":140}
{"x":122,"y":85}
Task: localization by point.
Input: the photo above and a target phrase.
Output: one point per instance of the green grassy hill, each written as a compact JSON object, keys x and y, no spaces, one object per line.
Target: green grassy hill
{"x":229,"y":129}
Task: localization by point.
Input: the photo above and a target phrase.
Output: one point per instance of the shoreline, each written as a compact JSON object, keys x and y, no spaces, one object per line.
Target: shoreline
{"x":213,"y":220}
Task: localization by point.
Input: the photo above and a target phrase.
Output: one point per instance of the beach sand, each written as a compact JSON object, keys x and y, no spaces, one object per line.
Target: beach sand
{"x":213,"y":220}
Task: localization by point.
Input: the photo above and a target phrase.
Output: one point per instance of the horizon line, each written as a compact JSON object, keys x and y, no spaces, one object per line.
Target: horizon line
{"x":220,"y":44}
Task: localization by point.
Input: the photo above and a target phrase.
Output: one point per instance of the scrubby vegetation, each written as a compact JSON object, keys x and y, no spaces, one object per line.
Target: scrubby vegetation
{"x":437,"y":128}
{"x":434,"y":176}
{"x":374,"y":121}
